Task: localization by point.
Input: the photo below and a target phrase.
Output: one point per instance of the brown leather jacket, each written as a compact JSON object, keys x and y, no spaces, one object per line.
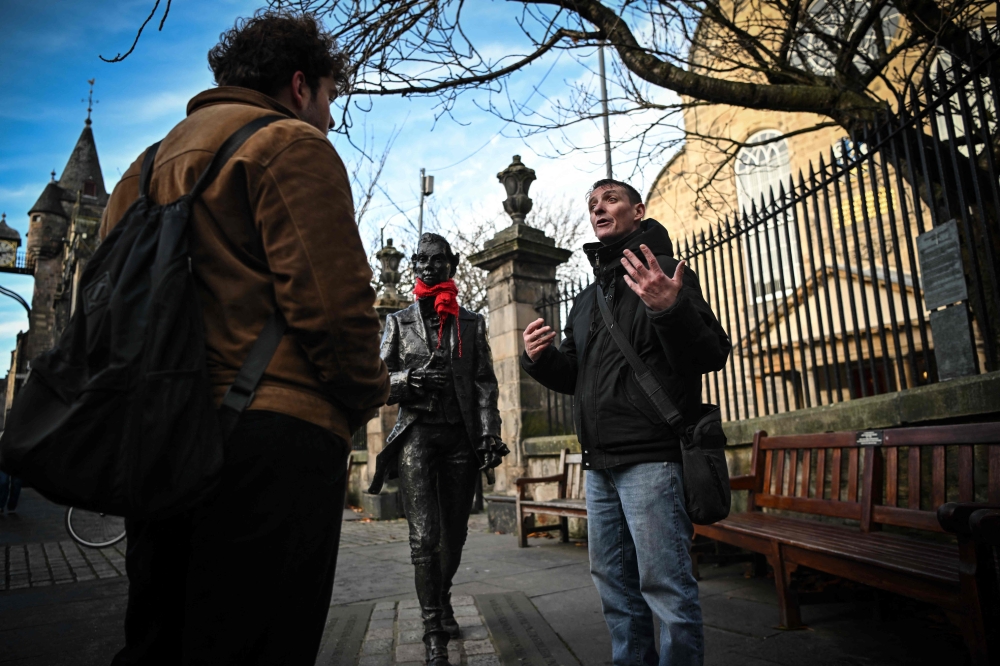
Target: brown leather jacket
{"x":275,"y":229}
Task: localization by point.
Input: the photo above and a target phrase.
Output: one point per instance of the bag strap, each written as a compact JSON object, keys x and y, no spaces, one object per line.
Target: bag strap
{"x":647,"y":381}
{"x":242,"y":392}
{"x":147,"y":169}
{"x":228,"y":149}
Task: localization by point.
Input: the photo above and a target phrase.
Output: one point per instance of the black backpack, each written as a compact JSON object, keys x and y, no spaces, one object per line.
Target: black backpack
{"x":118,"y":416}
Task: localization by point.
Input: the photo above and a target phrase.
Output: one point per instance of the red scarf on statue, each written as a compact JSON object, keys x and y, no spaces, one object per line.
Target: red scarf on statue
{"x":445,"y":303}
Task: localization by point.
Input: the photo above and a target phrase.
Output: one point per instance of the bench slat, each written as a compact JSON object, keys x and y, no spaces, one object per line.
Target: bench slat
{"x":850,"y":510}
{"x":852,"y":475}
{"x":779,"y":484}
{"x":937,"y":476}
{"x":892,"y":515}
{"x":891,"y":476}
{"x":826,"y":440}
{"x":993,"y":489}
{"x":820,"y":473}
{"x":966,"y":474}
{"x":835,"y":481}
{"x":806,"y":468}
{"x":913,"y":473}
{"x":970,"y":433}
{"x":768,"y":461}
{"x":913,"y":556}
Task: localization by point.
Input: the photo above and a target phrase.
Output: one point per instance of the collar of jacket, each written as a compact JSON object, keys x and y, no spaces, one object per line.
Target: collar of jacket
{"x":236,"y":95}
{"x":607,"y":258}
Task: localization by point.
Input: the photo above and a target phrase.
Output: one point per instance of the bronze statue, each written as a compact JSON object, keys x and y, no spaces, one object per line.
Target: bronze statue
{"x":448,"y":429}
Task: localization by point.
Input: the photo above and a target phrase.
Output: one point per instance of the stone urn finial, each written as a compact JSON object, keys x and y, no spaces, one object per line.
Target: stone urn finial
{"x":389,"y":257}
{"x":516,"y":179}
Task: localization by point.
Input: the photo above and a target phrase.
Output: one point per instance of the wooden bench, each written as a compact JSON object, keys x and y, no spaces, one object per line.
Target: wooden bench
{"x":856,"y":477}
{"x":567,"y":504}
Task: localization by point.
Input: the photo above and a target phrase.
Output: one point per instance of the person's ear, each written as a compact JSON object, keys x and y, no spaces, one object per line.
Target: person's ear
{"x":640,"y":211}
{"x":413,"y":258}
{"x":301,"y":91}
{"x":454,"y":265}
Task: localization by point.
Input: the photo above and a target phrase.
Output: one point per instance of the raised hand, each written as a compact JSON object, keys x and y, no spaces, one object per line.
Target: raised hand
{"x":656,"y":289}
{"x":537,"y":337}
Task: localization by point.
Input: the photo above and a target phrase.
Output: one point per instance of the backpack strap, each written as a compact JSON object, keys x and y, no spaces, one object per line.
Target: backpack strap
{"x":643,"y":375}
{"x":147,"y":169}
{"x":228,"y":149}
{"x":241,"y":393}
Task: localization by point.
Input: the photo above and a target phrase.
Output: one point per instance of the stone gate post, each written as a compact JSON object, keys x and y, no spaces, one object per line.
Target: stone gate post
{"x":522,"y":262}
{"x":385,"y":505}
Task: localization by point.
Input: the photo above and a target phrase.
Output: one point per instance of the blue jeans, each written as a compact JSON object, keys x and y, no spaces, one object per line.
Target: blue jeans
{"x":640,"y":540}
{"x":10,"y":491}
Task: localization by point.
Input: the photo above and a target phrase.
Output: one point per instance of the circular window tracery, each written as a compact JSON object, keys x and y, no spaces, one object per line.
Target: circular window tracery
{"x":829,"y":24}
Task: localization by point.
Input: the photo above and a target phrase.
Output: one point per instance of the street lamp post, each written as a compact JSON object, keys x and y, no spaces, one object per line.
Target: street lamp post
{"x":426,"y":189}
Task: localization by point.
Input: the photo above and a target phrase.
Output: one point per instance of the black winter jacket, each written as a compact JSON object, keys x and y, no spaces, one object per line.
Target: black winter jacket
{"x":615,"y":421}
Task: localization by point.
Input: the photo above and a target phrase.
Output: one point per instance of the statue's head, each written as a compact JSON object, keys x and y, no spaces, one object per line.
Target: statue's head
{"x":434,"y":262}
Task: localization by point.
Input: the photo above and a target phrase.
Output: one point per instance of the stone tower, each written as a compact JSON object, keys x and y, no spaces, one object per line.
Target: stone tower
{"x":62,"y":234}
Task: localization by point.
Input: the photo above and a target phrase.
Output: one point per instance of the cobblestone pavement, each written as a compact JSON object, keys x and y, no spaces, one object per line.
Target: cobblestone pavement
{"x":359,"y":533}
{"x":44,"y":622}
{"x":395,"y":636}
{"x":59,"y":562}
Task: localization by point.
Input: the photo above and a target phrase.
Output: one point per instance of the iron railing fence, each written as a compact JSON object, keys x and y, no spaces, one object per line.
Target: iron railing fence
{"x":555,"y":310}
{"x":819,"y":286}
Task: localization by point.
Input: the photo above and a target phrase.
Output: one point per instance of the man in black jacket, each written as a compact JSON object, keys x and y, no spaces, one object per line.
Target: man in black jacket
{"x":638,"y":527}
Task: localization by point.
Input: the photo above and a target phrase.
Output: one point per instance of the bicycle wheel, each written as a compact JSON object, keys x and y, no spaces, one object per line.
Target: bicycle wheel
{"x":92,"y":529}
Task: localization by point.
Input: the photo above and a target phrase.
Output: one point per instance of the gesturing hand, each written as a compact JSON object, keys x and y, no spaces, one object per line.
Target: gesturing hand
{"x":652,"y":285}
{"x":537,"y":337}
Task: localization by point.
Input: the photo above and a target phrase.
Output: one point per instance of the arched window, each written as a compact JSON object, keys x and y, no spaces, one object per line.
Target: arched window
{"x":762,"y":167}
{"x":90,"y":188}
{"x":830,"y":23}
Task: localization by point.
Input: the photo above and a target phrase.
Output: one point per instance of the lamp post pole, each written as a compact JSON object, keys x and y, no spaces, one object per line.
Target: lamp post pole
{"x":604,"y":110}
{"x":426,"y":189}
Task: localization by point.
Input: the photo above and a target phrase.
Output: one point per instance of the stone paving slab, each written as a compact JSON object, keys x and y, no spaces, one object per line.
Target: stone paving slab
{"x":522,"y":635}
{"x":343,"y":635}
{"x":395,"y":636}
{"x":56,"y":563}
{"x":80,"y":623}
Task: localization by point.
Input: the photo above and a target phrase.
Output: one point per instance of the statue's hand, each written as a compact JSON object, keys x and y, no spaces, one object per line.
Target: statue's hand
{"x":492,"y":451}
{"x":429,"y":379}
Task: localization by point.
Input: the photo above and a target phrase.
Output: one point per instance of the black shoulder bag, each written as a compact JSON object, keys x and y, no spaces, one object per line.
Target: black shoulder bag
{"x":118,"y":417}
{"x":707,"y":495}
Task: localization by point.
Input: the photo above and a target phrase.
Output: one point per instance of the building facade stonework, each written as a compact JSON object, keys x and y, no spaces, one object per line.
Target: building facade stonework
{"x":62,"y":236}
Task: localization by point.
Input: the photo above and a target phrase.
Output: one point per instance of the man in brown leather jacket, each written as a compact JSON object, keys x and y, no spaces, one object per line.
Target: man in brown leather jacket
{"x":247,"y":577}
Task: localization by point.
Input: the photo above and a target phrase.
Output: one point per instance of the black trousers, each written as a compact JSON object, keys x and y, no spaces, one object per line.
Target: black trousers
{"x":246,"y":578}
{"x":437,"y":479}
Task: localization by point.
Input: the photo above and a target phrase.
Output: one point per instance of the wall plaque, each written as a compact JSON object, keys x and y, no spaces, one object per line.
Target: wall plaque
{"x":941,"y":273}
{"x":953,"y":348}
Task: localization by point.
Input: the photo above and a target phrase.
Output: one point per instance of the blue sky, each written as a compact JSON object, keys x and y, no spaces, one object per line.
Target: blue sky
{"x":50,"y":49}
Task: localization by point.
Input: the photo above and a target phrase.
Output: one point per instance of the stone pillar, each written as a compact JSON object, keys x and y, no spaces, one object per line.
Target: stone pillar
{"x":385,"y":505}
{"x":522,"y":262}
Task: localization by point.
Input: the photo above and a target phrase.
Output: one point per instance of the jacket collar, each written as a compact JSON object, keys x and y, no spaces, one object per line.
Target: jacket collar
{"x":607,"y":258}
{"x":236,"y":95}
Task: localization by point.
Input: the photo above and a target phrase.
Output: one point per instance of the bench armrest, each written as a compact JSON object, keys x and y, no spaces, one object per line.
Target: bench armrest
{"x":525,"y":480}
{"x":954,"y":516}
{"x":985,"y":526}
{"x":745,"y":482}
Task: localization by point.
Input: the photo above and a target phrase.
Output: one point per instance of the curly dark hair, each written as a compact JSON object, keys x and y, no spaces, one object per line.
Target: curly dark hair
{"x":264,"y":51}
